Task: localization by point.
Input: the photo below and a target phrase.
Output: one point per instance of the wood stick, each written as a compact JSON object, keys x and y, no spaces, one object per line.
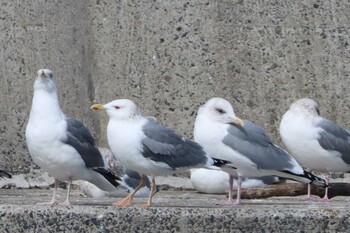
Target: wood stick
{"x":295,"y":189}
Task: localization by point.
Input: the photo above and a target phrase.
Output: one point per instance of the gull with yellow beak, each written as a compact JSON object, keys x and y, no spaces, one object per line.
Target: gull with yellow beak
{"x":60,"y":144}
{"x":245,"y":145}
{"x":148,"y":147}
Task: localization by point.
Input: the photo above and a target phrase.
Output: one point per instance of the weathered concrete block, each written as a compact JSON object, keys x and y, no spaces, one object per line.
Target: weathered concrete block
{"x":169,"y":57}
{"x":174,"y":212}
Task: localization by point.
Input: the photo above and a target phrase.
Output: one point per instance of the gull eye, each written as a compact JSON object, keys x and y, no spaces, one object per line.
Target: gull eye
{"x":219,"y":110}
{"x":50,"y":75}
{"x":116,"y":107}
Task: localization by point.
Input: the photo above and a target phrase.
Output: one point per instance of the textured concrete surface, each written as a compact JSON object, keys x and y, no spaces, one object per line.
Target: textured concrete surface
{"x":173,"y":212}
{"x":169,"y":57}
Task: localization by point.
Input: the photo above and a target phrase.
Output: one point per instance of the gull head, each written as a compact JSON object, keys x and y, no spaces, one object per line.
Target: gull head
{"x":121,"y":109}
{"x":44,"y":81}
{"x":220,"y":110}
{"x":305,"y":106}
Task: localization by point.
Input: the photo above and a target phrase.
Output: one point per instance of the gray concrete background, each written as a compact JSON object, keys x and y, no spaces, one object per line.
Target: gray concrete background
{"x":170,"y":57}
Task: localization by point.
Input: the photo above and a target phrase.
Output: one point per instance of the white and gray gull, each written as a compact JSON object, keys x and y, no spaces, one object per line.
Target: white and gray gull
{"x":245,"y":145}
{"x":62,"y":145}
{"x":317,"y":143}
{"x":148,"y":147}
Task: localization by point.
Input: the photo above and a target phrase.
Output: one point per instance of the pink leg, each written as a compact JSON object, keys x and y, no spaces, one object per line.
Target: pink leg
{"x":239,"y":184}
{"x":309,"y":197}
{"x":230,"y":193}
{"x":325,"y":198}
{"x":229,"y":201}
{"x":53,"y":200}
{"x":66,"y":202}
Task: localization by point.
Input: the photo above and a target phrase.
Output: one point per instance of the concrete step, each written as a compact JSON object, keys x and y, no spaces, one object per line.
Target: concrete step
{"x":172,"y":212}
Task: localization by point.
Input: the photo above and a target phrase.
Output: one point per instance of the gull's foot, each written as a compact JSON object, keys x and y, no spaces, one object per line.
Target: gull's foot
{"x":325,"y":199}
{"x":147,"y":205}
{"x":65,"y":203}
{"x":310,"y":198}
{"x":227,"y":202}
{"x":123,"y":203}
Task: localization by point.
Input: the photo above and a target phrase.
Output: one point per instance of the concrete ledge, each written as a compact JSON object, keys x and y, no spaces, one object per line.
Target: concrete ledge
{"x":173,"y":212}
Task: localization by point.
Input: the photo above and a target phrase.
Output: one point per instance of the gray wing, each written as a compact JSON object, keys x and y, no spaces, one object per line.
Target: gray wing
{"x":252,"y":141}
{"x":335,"y":138}
{"x":161,"y":144}
{"x":132,"y":178}
{"x":79,"y":137}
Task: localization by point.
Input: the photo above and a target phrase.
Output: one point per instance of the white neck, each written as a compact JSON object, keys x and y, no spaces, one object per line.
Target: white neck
{"x":45,"y":104}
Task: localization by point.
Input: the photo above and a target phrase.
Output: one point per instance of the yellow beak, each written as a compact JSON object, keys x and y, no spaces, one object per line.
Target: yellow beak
{"x":238,"y":121}
{"x":97,"y":107}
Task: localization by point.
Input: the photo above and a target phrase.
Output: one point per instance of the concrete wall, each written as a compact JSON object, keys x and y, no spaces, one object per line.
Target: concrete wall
{"x":170,"y":57}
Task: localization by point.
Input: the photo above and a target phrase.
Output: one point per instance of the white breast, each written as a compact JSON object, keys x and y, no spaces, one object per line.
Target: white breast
{"x":210,"y":134}
{"x":124,"y":140}
{"x":300,"y":137}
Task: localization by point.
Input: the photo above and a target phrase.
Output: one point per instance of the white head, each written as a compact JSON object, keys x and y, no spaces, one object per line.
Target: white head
{"x":44,"y":81}
{"x":121,"y":109}
{"x":306,"y":106}
{"x":218,"y":109}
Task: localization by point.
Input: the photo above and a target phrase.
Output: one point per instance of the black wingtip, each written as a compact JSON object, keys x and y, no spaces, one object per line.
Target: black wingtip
{"x":311,"y":178}
{"x":221,"y":163}
{"x":4,"y":174}
{"x":113,"y":179}
{"x":315,"y":180}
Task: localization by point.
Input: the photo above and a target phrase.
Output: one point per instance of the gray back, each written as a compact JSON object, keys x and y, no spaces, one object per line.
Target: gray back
{"x":80,"y":138}
{"x":251,"y":141}
{"x":335,"y":138}
{"x":163,"y":145}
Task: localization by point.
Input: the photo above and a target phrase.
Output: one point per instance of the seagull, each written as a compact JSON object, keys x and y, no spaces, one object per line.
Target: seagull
{"x":317,"y":143}
{"x":62,"y":145}
{"x":245,"y":145}
{"x":4,"y":174}
{"x":213,"y":181}
{"x":129,"y":181}
{"x":148,"y":147}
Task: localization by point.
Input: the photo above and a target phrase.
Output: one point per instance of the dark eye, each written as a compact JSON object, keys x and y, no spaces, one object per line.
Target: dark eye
{"x":50,"y":75}
{"x":116,"y":107}
{"x":219,"y":110}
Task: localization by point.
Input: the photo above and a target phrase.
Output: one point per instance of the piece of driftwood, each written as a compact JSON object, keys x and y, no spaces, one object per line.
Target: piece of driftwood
{"x":295,"y":189}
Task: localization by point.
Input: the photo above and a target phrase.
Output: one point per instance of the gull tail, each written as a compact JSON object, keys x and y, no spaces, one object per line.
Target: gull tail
{"x":5,"y":174}
{"x":306,"y":177}
{"x":108,"y":175}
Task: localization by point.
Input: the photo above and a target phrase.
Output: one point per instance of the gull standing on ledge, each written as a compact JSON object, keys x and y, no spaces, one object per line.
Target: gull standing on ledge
{"x":317,"y":143}
{"x":60,"y":144}
{"x":245,"y":145}
{"x":148,"y":147}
